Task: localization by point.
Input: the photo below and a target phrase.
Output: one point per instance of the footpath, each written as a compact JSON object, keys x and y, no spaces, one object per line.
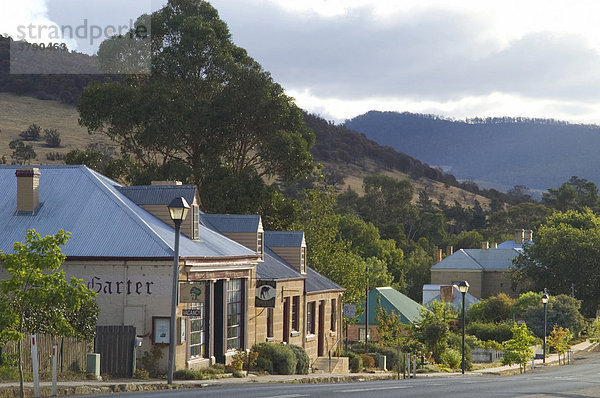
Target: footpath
{"x":10,"y":390}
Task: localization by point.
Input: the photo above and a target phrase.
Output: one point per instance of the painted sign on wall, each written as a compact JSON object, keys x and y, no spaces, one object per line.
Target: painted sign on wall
{"x":266,"y":292}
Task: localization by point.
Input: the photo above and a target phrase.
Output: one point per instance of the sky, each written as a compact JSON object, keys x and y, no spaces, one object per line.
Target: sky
{"x":342,"y":58}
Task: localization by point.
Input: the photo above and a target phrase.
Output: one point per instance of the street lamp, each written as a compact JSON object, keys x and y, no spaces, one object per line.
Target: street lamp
{"x":178,"y":209}
{"x":463,"y":287}
{"x":545,"y":299}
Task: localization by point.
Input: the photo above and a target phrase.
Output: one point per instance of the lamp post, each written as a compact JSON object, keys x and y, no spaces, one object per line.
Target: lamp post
{"x":545,"y":299}
{"x":367,"y":309}
{"x":178,"y":209}
{"x":463,"y":287}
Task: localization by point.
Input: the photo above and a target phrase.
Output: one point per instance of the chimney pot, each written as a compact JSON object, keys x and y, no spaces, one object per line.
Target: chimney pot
{"x":449,"y":250}
{"x":519,"y":236}
{"x":485,"y":245}
{"x":438,"y":257}
{"x":494,"y":245}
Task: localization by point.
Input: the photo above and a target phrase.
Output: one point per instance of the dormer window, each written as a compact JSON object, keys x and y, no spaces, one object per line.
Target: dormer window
{"x":260,"y":243}
{"x":303,"y":260}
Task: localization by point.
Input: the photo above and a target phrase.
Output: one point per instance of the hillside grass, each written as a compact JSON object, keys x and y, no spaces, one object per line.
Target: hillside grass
{"x":17,"y":113}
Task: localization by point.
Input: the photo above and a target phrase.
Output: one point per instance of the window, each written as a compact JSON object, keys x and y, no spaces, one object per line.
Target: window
{"x":197,"y":332}
{"x":295,"y":313}
{"x":234,"y":314}
{"x":333,"y":322}
{"x":260,"y":243}
{"x":310,"y":318}
{"x":303,"y":260}
{"x":269,"y":322}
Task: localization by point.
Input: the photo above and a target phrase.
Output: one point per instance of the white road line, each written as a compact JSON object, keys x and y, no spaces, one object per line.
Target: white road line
{"x":288,"y":396}
{"x":373,"y":389}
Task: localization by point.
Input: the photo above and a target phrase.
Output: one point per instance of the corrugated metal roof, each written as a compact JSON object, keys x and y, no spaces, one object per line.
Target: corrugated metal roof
{"x":490,"y":259}
{"x":158,"y":194}
{"x":391,"y":299}
{"x":275,"y":268}
{"x":316,"y":282}
{"x":231,"y":222}
{"x":432,"y":293}
{"x":284,"y":238}
{"x":103,"y":222}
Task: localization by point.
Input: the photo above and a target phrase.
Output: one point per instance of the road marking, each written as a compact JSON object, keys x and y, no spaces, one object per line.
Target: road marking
{"x":373,"y":389}
{"x":288,"y":396}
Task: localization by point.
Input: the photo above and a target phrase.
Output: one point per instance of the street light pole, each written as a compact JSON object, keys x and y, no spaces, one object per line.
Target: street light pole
{"x":545,"y":299}
{"x":367,"y":309}
{"x":463,"y":287}
{"x":178,"y":209}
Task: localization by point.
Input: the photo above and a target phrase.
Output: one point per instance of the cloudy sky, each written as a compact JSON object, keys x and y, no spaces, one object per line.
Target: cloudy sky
{"x":341,"y":58}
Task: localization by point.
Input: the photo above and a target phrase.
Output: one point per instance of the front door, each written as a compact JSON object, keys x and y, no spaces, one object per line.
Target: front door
{"x":286,"y":320}
{"x":321,"y":334}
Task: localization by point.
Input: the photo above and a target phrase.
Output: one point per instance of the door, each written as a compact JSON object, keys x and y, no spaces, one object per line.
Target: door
{"x":321,"y":333}
{"x":286,"y":320}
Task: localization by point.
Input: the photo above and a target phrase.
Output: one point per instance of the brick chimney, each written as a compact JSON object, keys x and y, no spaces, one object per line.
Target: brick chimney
{"x":438,"y":256}
{"x":493,"y":245}
{"x":28,"y":190}
{"x":485,"y":245}
{"x":519,"y":236}
{"x":449,"y":250}
{"x":528,"y":235}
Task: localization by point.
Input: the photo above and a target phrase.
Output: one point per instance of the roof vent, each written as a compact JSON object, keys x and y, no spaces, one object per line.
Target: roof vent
{"x":28,"y":191}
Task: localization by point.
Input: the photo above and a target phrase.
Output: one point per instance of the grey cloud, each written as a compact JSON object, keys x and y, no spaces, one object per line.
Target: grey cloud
{"x":436,"y":55}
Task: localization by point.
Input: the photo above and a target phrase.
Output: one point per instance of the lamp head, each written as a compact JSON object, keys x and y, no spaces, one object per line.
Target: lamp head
{"x":545,"y":298}
{"x":178,"y":209}
{"x":463,"y":287}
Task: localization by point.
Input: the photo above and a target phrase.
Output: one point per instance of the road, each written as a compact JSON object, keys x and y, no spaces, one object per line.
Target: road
{"x":579,"y":380}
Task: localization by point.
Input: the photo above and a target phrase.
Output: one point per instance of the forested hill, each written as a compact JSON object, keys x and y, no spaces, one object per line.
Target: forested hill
{"x":538,"y":153}
{"x":337,"y":144}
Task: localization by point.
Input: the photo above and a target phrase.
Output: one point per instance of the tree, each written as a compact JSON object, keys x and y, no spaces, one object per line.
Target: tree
{"x":565,"y":255}
{"x":518,"y":349}
{"x":432,"y":329}
{"x":52,"y":138}
{"x":22,"y":153}
{"x":36,"y":298}
{"x":559,"y":340}
{"x":32,"y":133}
{"x":206,"y":105}
{"x":492,"y":309}
{"x":392,"y":332}
{"x":575,"y":194}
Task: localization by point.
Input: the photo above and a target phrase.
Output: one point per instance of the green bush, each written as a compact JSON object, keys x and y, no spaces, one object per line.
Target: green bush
{"x":264,"y":364}
{"x":281,"y":356}
{"x":355,"y":362}
{"x":186,"y":374}
{"x":302,"y":359}
{"x":452,"y":358}
{"x":237,"y":374}
{"x":455,"y":342}
{"x":499,"y":332}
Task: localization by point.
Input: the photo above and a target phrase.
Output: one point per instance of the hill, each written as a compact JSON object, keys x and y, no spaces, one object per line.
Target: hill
{"x":538,"y":153}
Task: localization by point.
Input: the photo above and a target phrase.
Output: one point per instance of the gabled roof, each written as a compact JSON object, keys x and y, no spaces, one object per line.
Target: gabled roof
{"x":158,"y":194}
{"x":316,"y":282}
{"x":284,"y":238}
{"x":275,"y":268}
{"x":103,"y":222}
{"x":231,"y":222}
{"x":392,"y":300}
{"x":432,"y":293}
{"x":479,"y":259}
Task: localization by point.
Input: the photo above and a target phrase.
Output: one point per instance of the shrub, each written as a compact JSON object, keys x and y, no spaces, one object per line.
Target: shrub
{"x":499,"y":332}
{"x":368,"y":361}
{"x":282,"y":357}
{"x":150,"y":360}
{"x":354,"y":361}
{"x":55,"y":156}
{"x":302,"y":359}
{"x":141,"y":374}
{"x":32,"y":133}
{"x":238,"y":374}
{"x":455,"y":342}
{"x":52,"y":137}
{"x":264,"y":364}
{"x":186,"y":374}
{"x":452,"y":358}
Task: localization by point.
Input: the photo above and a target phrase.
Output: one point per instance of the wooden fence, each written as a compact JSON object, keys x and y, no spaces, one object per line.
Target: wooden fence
{"x":71,"y":353}
{"x":116,"y":345}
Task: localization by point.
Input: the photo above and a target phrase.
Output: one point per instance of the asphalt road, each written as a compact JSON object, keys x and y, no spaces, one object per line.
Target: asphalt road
{"x":573,"y":381}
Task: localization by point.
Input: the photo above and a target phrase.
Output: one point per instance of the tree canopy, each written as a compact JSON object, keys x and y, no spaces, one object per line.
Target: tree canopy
{"x":206,"y":106}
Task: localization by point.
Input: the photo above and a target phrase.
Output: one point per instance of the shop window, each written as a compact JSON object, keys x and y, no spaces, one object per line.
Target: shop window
{"x":234,"y":314}
{"x":295,"y":313}
{"x":310,"y":317}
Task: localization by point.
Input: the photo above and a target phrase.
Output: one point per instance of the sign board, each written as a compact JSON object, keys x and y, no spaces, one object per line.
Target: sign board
{"x":191,"y":312}
{"x":266,"y":292}
{"x":193,"y":292}
{"x":349,"y":310}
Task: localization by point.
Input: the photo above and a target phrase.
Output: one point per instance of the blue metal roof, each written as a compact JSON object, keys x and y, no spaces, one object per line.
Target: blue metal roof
{"x":275,"y":268}
{"x":391,"y":300}
{"x":231,"y":222}
{"x":103,"y":222}
{"x":158,"y":194}
{"x":490,"y":259}
{"x":284,"y":238}
{"x":316,"y":282}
